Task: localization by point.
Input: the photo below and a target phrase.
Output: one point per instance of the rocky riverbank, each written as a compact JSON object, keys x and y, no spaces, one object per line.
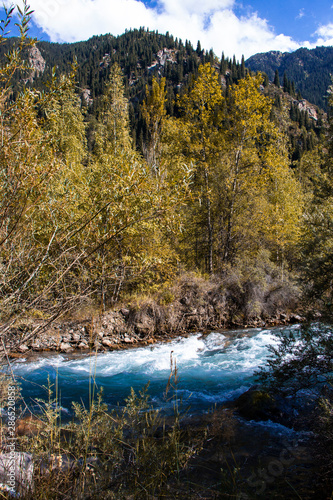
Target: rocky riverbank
{"x":124,"y":328}
{"x":194,"y":304}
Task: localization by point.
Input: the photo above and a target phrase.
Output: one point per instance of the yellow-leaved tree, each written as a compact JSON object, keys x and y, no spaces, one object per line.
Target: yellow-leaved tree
{"x":202,"y":144}
{"x":245,"y":196}
{"x":133,"y":206}
{"x":261,"y":201}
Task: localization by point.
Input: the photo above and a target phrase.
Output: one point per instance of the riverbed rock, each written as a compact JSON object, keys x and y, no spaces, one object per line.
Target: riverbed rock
{"x":256,"y":404}
{"x":65,"y":347}
{"x":295,"y":318}
{"x":107,"y":343}
{"x":125,"y":312}
{"x":67,"y":337}
{"x":36,"y":345}
{"x":76,"y":337}
{"x":23,"y":348}
{"x":83,"y":345}
{"x":128,"y":340}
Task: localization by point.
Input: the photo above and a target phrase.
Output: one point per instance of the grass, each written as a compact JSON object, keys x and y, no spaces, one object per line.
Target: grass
{"x":130,"y":452}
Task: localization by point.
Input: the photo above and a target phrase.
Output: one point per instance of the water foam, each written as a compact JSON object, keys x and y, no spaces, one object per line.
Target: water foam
{"x":212,"y":368}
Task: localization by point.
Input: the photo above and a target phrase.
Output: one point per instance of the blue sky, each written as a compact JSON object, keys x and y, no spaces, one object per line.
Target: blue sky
{"x":235,"y":27}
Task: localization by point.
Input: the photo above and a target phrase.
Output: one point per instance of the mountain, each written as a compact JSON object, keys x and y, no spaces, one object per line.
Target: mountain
{"x":309,"y":69}
{"x":143,"y":54}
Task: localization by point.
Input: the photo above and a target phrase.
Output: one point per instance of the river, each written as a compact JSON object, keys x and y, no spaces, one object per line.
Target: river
{"x":211,"y":368}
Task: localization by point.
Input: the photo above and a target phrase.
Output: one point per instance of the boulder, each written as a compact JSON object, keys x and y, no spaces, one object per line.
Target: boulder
{"x":256,"y":404}
{"x":128,"y":340}
{"x":107,"y":343}
{"x":295,"y":318}
{"x":65,"y":347}
{"x":76,"y":337}
{"x":36,"y":346}
{"x":125,"y":312}
{"x":23,"y":348}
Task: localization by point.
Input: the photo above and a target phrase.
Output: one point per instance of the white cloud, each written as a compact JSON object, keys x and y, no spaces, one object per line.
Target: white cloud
{"x":325,"y":35}
{"x":213,"y":22}
{"x":301,"y":14}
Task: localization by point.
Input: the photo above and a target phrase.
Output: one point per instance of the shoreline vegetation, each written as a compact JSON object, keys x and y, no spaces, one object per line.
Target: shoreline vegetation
{"x":192,"y":304}
{"x":253,"y":447}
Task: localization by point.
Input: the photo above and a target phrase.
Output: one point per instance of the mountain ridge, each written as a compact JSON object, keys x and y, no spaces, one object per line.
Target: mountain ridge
{"x":143,"y":54}
{"x":309,"y":69}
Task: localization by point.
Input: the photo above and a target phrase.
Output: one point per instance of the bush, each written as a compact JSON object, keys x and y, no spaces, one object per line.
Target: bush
{"x":129,"y":452}
{"x":300,"y":370}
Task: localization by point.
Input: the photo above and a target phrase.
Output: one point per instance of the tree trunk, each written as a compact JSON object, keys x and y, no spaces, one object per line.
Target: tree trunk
{"x":209,"y":228}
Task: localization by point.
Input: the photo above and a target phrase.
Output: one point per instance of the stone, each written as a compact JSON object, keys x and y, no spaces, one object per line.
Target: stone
{"x":107,"y":343}
{"x":145,"y":326}
{"x":295,"y":318}
{"x":125,"y":312}
{"x":23,"y":348}
{"x":83,"y":345}
{"x":256,"y":404}
{"x":128,"y":340}
{"x":76,"y":337}
{"x":65,"y":347}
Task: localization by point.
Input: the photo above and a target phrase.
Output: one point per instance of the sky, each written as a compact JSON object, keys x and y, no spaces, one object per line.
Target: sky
{"x":244,"y":27}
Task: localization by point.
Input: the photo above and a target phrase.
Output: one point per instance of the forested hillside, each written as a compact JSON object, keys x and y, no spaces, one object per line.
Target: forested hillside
{"x":310,"y":69}
{"x":153,"y":182}
{"x":142,"y":55}
{"x":176,"y":162}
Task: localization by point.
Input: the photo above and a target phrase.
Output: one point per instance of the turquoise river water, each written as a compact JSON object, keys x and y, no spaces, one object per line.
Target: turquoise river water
{"x":212,"y":369}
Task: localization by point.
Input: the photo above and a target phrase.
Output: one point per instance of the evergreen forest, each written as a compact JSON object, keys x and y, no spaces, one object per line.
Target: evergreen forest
{"x":195,"y":164}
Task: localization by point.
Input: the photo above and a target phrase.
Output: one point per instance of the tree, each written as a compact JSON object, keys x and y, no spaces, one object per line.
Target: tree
{"x":256,"y":162}
{"x":131,"y":205}
{"x":35,"y":254}
{"x":154,"y":112}
{"x":74,"y":223}
{"x":315,"y":170}
{"x":114,"y":135}
{"x":202,"y":112}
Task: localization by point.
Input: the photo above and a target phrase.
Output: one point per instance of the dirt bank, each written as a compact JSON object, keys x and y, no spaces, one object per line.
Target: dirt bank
{"x":193,"y":304}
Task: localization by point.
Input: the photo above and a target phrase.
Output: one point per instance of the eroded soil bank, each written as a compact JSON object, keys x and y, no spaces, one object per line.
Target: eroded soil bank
{"x":193,"y":304}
